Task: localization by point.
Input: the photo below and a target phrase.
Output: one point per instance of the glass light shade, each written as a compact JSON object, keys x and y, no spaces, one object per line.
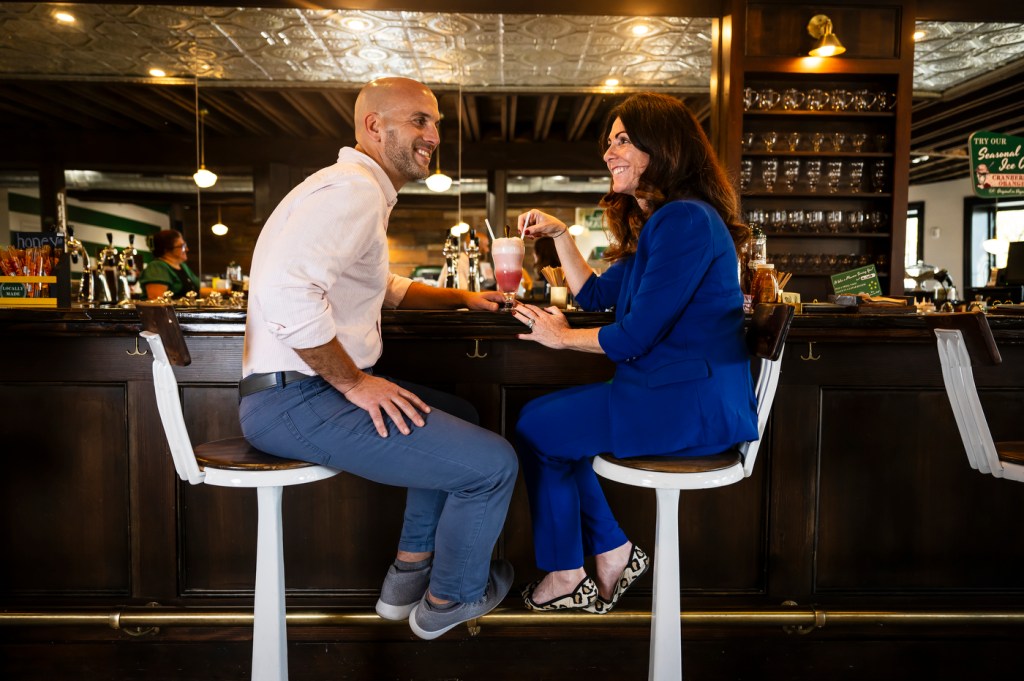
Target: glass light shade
{"x":576,"y":230}
{"x":220,"y":229}
{"x":439,"y":182}
{"x":829,"y":47}
{"x":998,"y":247}
{"x":460,"y":228}
{"x":204,"y":178}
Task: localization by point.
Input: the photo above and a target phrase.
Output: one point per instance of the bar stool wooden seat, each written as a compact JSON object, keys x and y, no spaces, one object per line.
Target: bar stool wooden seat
{"x":232,"y":462}
{"x":766,"y":338}
{"x":965,"y":340}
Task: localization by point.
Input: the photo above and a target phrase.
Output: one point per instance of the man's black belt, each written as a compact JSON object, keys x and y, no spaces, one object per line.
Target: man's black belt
{"x":253,"y":383}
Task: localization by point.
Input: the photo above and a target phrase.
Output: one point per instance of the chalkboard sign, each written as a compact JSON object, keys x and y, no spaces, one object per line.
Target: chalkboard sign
{"x":860,"y":280}
{"x":37,"y":239}
{"x":11,"y":290}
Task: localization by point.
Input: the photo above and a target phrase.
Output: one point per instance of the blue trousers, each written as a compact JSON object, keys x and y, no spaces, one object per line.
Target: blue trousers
{"x":558,"y":435}
{"x":459,"y":476}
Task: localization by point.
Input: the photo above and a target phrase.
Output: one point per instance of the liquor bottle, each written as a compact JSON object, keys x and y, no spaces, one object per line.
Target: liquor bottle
{"x":765,"y":287}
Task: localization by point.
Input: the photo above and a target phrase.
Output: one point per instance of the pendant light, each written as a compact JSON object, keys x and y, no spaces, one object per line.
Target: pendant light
{"x":203,"y":177}
{"x":438,"y":182}
{"x":220,"y":229}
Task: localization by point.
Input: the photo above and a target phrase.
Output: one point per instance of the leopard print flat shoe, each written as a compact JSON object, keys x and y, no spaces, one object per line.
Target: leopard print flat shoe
{"x":635,"y":568}
{"x":582,"y":597}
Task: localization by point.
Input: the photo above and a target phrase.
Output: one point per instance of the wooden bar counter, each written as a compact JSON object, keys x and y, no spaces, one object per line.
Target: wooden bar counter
{"x":862,"y":517}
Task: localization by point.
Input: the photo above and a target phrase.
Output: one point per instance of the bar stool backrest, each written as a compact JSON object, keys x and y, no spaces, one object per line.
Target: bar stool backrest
{"x":965,"y":339}
{"x":766,"y":338}
{"x":162,"y":331}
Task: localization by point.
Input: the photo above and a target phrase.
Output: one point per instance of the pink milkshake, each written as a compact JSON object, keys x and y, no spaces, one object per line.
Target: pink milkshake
{"x":508,"y":267}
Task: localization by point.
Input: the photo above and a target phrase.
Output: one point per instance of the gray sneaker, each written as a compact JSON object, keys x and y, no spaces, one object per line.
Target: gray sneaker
{"x":401,"y":591}
{"x":428,"y":623}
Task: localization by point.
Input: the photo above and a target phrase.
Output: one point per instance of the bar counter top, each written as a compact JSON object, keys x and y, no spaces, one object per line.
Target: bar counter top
{"x":469,"y":324}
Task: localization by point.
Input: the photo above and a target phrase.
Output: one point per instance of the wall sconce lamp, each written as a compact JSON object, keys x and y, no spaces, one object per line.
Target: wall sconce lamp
{"x":820,"y":28}
{"x":203,"y":177}
{"x":220,"y":229}
{"x":439,"y":182}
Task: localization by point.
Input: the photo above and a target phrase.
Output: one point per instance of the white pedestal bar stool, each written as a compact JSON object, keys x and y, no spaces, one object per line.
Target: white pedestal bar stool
{"x":766,"y":338}
{"x":965,"y":340}
{"x":232,"y":462}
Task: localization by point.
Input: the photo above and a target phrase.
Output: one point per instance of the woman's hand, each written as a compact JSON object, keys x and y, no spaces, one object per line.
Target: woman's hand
{"x":547,"y":326}
{"x":534,"y":224}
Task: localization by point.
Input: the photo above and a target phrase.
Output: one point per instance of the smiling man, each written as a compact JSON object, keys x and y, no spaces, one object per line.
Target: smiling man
{"x":319,"y":280}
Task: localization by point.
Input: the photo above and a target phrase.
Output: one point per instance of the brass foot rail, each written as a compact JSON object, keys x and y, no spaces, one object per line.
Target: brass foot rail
{"x":793,"y":619}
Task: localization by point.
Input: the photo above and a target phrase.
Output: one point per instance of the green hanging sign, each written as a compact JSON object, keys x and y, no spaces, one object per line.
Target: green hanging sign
{"x":997,"y":164}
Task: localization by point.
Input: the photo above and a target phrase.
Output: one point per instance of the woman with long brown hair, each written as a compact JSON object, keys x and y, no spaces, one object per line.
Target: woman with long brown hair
{"x":682,"y":384}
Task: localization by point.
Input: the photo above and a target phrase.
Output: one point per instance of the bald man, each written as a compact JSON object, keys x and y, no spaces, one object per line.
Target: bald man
{"x":318,"y":282}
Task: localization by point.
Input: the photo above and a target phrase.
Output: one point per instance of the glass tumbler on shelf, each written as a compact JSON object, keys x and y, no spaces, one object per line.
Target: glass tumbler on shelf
{"x":855,"y":219}
{"x":881,"y":142}
{"x":777,"y":220}
{"x":769,"y":138}
{"x":768,"y":99}
{"x":817,"y":99}
{"x":790,"y":173}
{"x":817,"y":139}
{"x":833,"y":173}
{"x":769,"y":173}
{"x":508,"y":267}
{"x":856,"y":175}
{"x":857,"y":141}
{"x":749,"y":98}
{"x":748,"y":140}
{"x":838,"y":140}
{"x":815,"y":220}
{"x":792,"y":99}
{"x":812,"y":167}
{"x":793,"y":140}
{"x":746,"y":173}
{"x":795,"y":219}
{"x":834,"y":220}
{"x":879,"y":176}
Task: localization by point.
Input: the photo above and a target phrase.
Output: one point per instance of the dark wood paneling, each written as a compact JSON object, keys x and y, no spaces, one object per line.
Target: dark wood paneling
{"x":64,"y":493}
{"x":780,"y":30}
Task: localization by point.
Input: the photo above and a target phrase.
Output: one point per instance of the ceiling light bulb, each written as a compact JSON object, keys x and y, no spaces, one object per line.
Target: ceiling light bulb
{"x":641,"y":29}
{"x":919,"y":34}
{"x":157,"y":73}
{"x":611,"y":82}
{"x":357,"y":24}
{"x":204,"y":178}
{"x":576,"y":230}
{"x":64,"y":17}
{"x":462,"y":227}
{"x":220,"y":229}
{"x":439,"y":182}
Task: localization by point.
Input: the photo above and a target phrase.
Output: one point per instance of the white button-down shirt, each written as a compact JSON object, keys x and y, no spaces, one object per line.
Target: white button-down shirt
{"x":320,"y":269}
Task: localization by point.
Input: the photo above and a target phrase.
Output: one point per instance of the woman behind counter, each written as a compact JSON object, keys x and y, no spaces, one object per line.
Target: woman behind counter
{"x":168,"y":271}
{"x":682,"y":384}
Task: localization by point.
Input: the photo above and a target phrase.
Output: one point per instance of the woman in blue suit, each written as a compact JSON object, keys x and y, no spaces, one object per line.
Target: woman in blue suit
{"x":682,"y":383}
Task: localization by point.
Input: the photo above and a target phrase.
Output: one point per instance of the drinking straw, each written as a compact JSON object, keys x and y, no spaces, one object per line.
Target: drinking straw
{"x":489,"y":230}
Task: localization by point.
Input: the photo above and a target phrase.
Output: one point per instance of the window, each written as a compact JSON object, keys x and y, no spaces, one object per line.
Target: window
{"x":914,"y":249}
{"x":988,"y":219}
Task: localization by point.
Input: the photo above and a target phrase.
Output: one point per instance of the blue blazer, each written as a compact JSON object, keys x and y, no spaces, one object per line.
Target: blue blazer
{"x":682,"y":377}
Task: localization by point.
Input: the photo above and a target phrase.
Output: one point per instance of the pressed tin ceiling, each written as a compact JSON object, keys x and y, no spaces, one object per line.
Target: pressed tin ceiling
{"x":291,"y":73}
{"x":950,"y":53}
{"x":348,"y":48}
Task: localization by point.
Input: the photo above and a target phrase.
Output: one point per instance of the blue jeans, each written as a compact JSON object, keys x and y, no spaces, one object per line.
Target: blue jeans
{"x":459,"y":476}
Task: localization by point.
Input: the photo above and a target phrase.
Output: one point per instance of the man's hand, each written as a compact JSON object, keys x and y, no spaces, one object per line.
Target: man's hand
{"x":485,"y":300}
{"x":373,"y":394}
